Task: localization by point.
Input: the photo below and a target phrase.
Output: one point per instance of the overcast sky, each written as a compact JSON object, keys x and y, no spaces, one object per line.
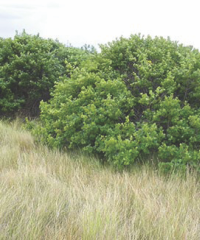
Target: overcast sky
{"x":82,"y":22}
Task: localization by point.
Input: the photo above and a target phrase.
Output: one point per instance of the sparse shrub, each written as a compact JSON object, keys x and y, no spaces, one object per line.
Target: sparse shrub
{"x":138,"y":96}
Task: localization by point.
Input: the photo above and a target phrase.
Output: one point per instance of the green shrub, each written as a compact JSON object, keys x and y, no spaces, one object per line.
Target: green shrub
{"x":138,"y":96}
{"x":29,"y":66}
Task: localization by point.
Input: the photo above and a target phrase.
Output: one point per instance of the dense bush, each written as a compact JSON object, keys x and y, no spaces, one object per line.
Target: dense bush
{"x":138,"y":96}
{"x":29,"y":66}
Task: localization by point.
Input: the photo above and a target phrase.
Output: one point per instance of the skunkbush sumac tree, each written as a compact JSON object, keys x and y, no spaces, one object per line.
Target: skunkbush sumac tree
{"x":138,"y":96}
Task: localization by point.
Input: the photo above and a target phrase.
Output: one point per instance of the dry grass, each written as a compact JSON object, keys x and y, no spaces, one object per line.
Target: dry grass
{"x":48,"y":195}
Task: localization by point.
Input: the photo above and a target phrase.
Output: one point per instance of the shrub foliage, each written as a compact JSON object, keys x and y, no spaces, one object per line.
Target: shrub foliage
{"x":29,"y":66}
{"x":138,"y":96}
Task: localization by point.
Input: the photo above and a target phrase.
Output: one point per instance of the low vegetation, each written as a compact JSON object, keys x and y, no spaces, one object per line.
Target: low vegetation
{"x":137,"y":97}
{"x":29,"y":68}
{"x":134,"y":105}
{"x":47,"y":194}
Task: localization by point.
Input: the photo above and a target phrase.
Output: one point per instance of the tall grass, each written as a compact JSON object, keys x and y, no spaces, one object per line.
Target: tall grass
{"x":46,"y":194}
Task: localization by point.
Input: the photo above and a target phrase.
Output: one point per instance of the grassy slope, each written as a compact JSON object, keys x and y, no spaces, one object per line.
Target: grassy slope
{"x":48,"y":195}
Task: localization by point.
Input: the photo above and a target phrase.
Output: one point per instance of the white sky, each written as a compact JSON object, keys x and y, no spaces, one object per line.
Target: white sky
{"x":82,"y":22}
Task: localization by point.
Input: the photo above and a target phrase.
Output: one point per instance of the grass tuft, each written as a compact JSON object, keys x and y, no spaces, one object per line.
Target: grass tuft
{"x":46,"y":194}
